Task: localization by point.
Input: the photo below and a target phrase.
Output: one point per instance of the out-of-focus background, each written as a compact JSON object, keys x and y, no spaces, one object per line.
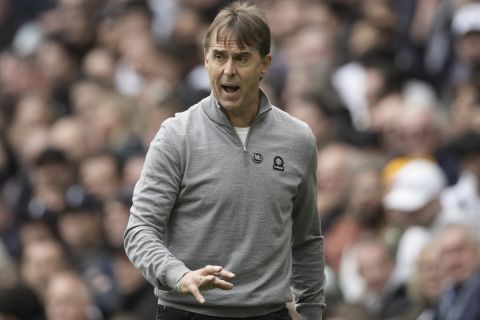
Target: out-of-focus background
{"x":390,"y":88}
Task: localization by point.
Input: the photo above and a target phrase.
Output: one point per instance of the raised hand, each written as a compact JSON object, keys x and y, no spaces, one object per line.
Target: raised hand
{"x":206,"y":278}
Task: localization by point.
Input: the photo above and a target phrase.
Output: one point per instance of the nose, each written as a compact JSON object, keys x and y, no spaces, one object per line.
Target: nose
{"x":229,"y":67}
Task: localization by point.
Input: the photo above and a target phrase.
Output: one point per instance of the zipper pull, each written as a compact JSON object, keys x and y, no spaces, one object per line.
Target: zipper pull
{"x":244,"y":148}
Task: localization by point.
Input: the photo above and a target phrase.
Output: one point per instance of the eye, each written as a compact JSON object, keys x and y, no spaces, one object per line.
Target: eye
{"x":219,"y":56}
{"x":242,"y":59}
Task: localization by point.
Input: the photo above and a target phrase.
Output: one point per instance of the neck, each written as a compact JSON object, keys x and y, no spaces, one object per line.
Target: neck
{"x":241,"y":120}
{"x":243,"y":117}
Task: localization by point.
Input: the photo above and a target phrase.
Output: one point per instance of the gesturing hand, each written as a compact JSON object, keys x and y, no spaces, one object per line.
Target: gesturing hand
{"x":206,"y":278}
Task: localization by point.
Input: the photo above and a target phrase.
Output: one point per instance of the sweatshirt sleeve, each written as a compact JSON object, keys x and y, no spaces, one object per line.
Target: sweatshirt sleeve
{"x":153,"y":199}
{"x":308,"y":278}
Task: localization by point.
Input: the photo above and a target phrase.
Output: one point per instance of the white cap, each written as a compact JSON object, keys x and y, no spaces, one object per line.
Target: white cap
{"x":466,"y":19}
{"x":417,"y":183}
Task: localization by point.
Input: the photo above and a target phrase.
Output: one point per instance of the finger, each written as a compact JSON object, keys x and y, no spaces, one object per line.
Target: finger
{"x":197,"y":294}
{"x":206,"y":281}
{"x":210,"y":270}
{"x":222,"y":284}
{"x":225,"y":274}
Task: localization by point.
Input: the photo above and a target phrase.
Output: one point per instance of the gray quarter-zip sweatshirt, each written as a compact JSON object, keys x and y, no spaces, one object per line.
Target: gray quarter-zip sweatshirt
{"x":204,"y":198}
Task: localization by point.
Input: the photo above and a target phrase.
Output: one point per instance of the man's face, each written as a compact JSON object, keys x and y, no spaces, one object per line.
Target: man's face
{"x":458,"y":255}
{"x":374,"y":266}
{"x":235,"y":74}
{"x":468,"y":47}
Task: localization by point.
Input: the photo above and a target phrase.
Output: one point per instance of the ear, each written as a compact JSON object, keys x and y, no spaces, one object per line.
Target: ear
{"x":266,"y":62}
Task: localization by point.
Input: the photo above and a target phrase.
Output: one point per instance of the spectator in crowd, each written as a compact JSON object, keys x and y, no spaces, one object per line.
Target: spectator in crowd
{"x":32,"y":230}
{"x":41,"y":260}
{"x":80,"y":227}
{"x":131,"y":171}
{"x":384,"y":98}
{"x":334,"y":167}
{"x":18,"y":76}
{"x":115,"y":218}
{"x":422,"y":129}
{"x":309,"y":55}
{"x":466,"y":33}
{"x":464,"y":196}
{"x":70,"y":135}
{"x":31,"y":111}
{"x":51,"y":175}
{"x":318,"y":116}
{"x":320,"y":107}
{"x":465,"y":112}
{"x":155,"y":106}
{"x":424,"y":286}
{"x":363,"y":214}
{"x":413,"y":200}
{"x":101,"y":175}
{"x":84,"y":95}
{"x":58,"y":67}
{"x":426,"y":49}
{"x":111,"y":125}
{"x":135,"y":295}
{"x":382,"y":295}
{"x":459,"y":264}
{"x":68,"y":297}
{"x":99,"y":64}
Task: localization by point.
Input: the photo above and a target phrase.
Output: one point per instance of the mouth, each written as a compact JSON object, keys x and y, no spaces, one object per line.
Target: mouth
{"x":230,"y":88}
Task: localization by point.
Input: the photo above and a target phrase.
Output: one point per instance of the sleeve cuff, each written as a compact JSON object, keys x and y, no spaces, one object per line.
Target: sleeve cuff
{"x":174,"y":273}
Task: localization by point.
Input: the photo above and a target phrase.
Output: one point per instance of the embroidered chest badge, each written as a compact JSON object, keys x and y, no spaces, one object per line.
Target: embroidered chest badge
{"x":278,"y":163}
{"x":257,"y":157}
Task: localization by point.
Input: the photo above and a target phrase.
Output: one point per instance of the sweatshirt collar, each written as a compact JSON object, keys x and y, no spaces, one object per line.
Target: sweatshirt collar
{"x":212,"y":108}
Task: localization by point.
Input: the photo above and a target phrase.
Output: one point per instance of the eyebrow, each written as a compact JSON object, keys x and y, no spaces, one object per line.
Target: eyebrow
{"x":243,"y":52}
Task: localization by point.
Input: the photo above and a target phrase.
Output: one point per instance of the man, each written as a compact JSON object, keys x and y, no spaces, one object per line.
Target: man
{"x":67,"y":297}
{"x":459,"y":265}
{"x":41,"y":260}
{"x":464,"y":196}
{"x":383,"y":296}
{"x":227,"y":196}
{"x":413,"y":191}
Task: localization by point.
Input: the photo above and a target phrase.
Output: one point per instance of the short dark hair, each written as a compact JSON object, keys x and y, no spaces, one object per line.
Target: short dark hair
{"x":245,"y":23}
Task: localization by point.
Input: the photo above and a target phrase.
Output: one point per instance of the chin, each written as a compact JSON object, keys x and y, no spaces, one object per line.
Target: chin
{"x":228,"y":105}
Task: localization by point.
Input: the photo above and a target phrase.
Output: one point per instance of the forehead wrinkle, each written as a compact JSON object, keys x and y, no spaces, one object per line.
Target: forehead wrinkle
{"x":228,"y":39}
{"x":231,"y":49}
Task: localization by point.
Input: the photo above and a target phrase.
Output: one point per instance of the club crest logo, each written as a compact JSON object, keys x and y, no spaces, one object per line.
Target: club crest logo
{"x":257,"y":158}
{"x":278,"y":163}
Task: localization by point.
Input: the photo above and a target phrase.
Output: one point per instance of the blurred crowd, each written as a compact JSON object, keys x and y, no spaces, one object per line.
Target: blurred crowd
{"x":390,"y":88}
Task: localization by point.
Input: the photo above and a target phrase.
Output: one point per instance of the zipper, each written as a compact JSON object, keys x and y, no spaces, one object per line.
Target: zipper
{"x":245,"y":155}
{"x":244,"y":146}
